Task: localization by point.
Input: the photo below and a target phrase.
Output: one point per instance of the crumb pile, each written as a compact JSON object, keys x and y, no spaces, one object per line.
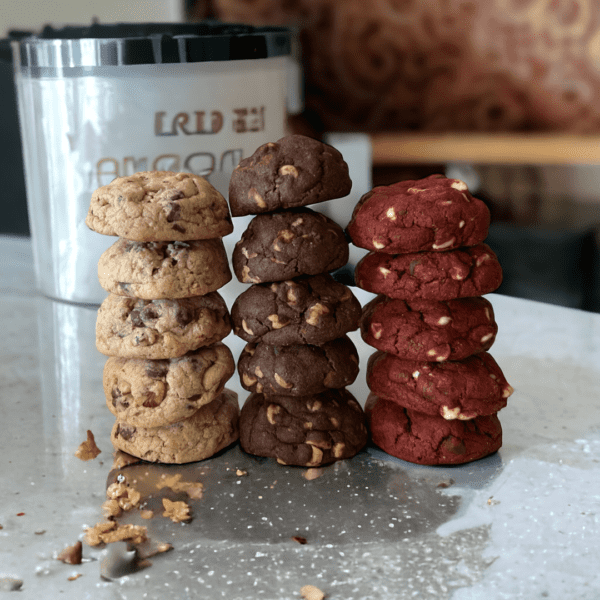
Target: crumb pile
{"x":435,"y":390}
{"x":163,"y":321}
{"x":295,"y":316}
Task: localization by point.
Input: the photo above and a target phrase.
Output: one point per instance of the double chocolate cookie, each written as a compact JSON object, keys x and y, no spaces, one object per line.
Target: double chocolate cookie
{"x":289,"y":243}
{"x":429,"y":330}
{"x":152,"y":270}
{"x":151,"y":393}
{"x":461,"y":390}
{"x":307,"y":310}
{"x":294,"y":171}
{"x":430,"y":440}
{"x":298,"y":370}
{"x":135,"y":328}
{"x":434,"y":213}
{"x":211,"y":428}
{"x":152,"y":206}
{"x":461,"y":273}
{"x":310,"y":431}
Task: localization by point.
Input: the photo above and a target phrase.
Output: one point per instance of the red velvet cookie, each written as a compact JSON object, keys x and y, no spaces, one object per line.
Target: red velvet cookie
{"x":430,"y":440}
{"x":461,"y":273}
{"x":434,"y":213}
{"x":429,"y":330}
{"x":295,"y":171}
{"x":462,"y":390}
{"x":309,"y":431}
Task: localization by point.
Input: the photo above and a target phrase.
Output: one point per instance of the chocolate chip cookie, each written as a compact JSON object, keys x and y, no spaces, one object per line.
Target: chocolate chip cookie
{"x":151,"y":393}
{"x":165,"y":328}
{"x":461,"y":273}
{"x":211,"y":428}
{"x":152,"y":270}
{"x":308,"y":310}
{"x":309,"y":431}
{"x":435,"y":213}
{"x":427,"y":439}
{"x":298,"y":370}
{"x":427,"y":329}
{"x":294,"y":171}
{"x":465,"y":389}
{"x":153,"y":206}
{"x":286,"y":244}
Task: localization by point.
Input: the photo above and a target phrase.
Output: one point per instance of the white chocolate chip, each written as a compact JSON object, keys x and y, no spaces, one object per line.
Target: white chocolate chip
{"x":376,"y":330}
{"x":459,"y":185}
{"x":246,"y":328}
{"x":338,"y":449}
{"x":481,"y":259}
{"x":444,"y":245}
{"x":282,"y":382}
{"x":416,"y":374}
{"x":466,"y":199}
{"x":487,"y":314}
{"x":297,"y":222}
{"x":278,"y":262}
{"x":276,"y":323}
{"x":286,"y":235}
{"x":253,"y":193}
{"x":288,"y":170}
{"x":246,"y":278}
{"x":316,"y":405}
{"x":315,"y":312}
{"x":508,"y":391}
{"x":272,"y":411}
{"x":391,"y":213}
{"x":247,"y":254}
{"x":248,"y":380}
{"x":378,"y":245}
{"x":258,"y":372}
{"x":450,"y":413}
{"x":385,"y":272}
{"x":444,"y":320}
{"x":414,"y":190}
{"x":431,"y":352}
{"x":461,"y":224}
{"x":487,"y":337}
{"x":317,"y":456}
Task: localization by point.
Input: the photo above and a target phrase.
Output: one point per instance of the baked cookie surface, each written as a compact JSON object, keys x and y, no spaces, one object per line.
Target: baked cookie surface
{"x":298,"y":370}
{"x":286,"y":244}
{"x":152,"y":206}
{"x":153,"y":393}
{"x":153,"y":270}
{"x":211,"y":428}
{"x":461,"y":273}
{"x":309,"y":431}
{"x":427,"y":329}
{"x":435,"y":213}
{"x":427,"y":439}
{"x":165,"y":328}
{"x":294,"y":171}
{"x":307,"y":310}
{"x":470,"y":388}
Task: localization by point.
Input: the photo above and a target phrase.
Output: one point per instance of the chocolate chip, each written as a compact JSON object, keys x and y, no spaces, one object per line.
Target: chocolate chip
{"x":174,"y":213}
{"x":179,"y":228}
{"x":136,"y":319}
{"x":183,"y":316}
{"x":149,"y":313}
{"x":157,"y":369}
{"x":150,"y":402}
{"x":125,"y":432}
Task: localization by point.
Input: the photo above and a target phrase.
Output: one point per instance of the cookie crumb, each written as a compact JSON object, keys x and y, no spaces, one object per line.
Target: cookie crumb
{"x":146,"y":514}
{"x":492,"y":502}
{"x":71,"y":554}
{"x":299,"y":539}
{"x":241,"y":473}
{"x":176,"y":511}
{"x":10,"y":584}
{"x":446,"y":483}
{"x":107,"y":533}
{"x":122,"y":459}
{"x":313,"y":473}
{"x":159,"y":548}
{"x":193,"y":489}
{"x":41,"y":532}
{"x":74,"y":577}
{"x":88,"y":450}
{"x":310,"y":592}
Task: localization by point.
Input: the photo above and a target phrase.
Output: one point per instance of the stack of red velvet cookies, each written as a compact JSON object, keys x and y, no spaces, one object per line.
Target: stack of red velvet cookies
{"x":435,"y":390}
{"x":295,"y":316}
{"x":163,"y":321}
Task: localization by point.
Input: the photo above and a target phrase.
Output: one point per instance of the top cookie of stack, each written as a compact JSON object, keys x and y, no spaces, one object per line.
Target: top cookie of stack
{"x":295,"y":315}
{"x":163,"y":321}
{"x":435,"y":389}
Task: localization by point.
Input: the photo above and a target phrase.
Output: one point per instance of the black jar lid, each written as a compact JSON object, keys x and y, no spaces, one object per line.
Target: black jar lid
{"x":150,"y":43}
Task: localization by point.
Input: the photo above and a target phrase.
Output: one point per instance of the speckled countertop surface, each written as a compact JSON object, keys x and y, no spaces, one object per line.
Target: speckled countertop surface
{"x":523,"y":523}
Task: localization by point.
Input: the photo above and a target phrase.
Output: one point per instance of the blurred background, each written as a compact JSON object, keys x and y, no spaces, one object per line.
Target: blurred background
{"x":504,"y":94}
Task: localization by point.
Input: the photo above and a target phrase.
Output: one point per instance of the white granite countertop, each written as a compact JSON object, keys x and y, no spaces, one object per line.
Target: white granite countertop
{"x":523,"y":523}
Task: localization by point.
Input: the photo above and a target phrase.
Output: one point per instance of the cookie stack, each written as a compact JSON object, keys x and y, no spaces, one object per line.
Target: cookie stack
{"x":295,"y":316}
{"x":435,"y":390}
{"x":163,"y":321}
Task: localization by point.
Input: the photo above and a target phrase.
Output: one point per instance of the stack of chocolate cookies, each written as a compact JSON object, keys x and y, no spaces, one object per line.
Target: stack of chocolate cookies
{"x":295,"y":316}
{"x":163,"y":322}
{"x":435,"y":390}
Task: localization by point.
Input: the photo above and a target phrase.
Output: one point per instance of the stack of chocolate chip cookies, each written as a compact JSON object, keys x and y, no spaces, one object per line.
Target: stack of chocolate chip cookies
{"x":163,"y":322}
{"x":435,"y":390}
{"x":295,"y":316}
